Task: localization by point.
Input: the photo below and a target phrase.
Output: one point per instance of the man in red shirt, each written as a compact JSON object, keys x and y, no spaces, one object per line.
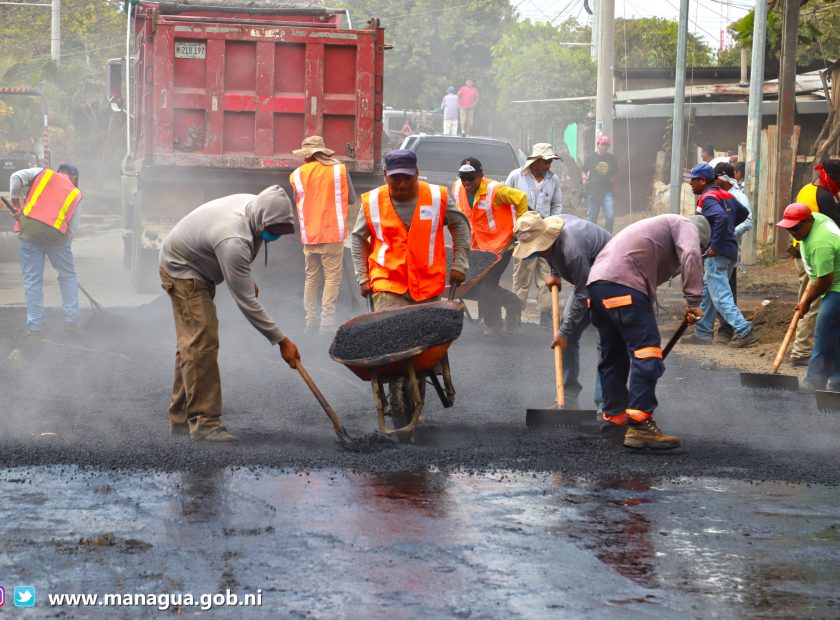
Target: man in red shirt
{"x":467,"y":98}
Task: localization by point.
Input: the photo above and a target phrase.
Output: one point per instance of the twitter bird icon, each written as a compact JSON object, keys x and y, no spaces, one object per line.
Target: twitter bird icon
{"x":24,"y":596}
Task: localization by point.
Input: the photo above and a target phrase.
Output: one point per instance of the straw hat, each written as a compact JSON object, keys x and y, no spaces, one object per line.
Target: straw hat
{"x":541,"y":150}
{"x":535,"y":233}
{"x":312,"y":145}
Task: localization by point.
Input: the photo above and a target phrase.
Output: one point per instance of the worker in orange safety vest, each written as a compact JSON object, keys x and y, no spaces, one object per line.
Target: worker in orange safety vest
{"x":398,"y":243}
{"x":492,"y":209}
{"x":323,"y":193}
{"x":44,"y":204}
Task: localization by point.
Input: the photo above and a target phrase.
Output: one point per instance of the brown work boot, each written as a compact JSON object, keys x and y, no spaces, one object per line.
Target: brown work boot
{"x":750,"y":340}
{"x":647,"y":435}
{"x":178,"y":424}
{"x":218,"y":434}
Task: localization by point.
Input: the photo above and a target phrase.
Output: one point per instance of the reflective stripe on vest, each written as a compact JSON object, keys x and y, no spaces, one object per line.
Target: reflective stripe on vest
{"x":52,"y":199}
{"x":648,"y":352}
{"x":412,"y":260}
{"x":498,"y":230}
{"x":321,"y":196}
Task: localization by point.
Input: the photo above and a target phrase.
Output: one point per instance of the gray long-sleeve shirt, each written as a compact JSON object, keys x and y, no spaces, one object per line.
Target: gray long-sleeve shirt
{"x":459,"y":228}
{"x":572,"y":255}
{"x":218,"y":241}
{"x":649,"y":253}
{"x":547,"y":199}
{"x":19,"y":184}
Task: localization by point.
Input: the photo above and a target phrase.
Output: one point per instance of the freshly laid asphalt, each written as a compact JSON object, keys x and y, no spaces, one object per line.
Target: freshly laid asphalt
{"x":104,"y":393}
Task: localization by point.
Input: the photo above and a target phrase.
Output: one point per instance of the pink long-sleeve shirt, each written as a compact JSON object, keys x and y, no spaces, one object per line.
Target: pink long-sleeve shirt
{"x":649,"y":253}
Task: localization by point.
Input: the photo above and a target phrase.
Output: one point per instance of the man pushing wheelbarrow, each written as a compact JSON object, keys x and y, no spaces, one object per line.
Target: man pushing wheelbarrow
{"x":400,"y":260}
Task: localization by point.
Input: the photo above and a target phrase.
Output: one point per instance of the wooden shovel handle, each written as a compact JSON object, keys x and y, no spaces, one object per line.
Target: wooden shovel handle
{"x":786,"y":342}
{"x":333,"y":416}
{"x":558,"y":353}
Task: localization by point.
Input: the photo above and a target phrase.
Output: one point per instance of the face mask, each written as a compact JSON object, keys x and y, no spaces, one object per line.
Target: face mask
{"x":267,"y":236}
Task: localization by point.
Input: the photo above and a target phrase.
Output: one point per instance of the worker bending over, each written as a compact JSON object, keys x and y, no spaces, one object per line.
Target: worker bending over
{"x":819,"y":241}
{"x":570,"y":245}
{"x":217,"y":242}
{"x":398,"y":248}
{"x":492,"y":209}
{"x":622,"y":292}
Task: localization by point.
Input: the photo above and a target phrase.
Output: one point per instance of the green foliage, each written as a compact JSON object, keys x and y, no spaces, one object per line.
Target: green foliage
{"x":531,"y":62}
{"x":436,"y":45}
{"x":651,"y":43}
{"x":819,"y":32}
{"x":91,"y":32}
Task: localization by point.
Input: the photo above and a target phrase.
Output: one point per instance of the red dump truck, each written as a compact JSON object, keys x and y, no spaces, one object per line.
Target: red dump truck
{"x":219,"y":94}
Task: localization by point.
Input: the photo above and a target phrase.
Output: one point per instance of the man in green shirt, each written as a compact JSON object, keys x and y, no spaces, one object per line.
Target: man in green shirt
{"x":819,"y":237}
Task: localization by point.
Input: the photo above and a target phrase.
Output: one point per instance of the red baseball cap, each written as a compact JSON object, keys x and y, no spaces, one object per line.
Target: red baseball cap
{"x":794,"y":213}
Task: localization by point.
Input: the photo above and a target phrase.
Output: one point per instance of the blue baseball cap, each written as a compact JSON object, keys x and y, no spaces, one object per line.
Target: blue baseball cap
{"x":69,"y":168}
{"x":700,"y":171}
{"x":401,"y":161}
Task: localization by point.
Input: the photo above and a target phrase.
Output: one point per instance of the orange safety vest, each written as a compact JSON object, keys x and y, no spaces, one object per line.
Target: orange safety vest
{"x":492,"y":225}
{"x":52,"y":199}
{"x":322,"y":198}
{"x":412,"y":260}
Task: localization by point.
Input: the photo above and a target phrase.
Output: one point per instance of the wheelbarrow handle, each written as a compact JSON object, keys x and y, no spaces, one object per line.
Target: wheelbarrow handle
{"x":370,"y":301}
{"x":452,"y":287}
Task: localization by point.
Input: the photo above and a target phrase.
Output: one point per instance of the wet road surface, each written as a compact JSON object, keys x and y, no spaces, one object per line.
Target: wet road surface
{"x":328,"y":543}
{"x":741,"y":521}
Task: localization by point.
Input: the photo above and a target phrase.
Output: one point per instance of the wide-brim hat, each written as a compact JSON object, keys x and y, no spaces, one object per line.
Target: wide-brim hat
{"x":541,"y":150}
{"x":535,"y":233}
{"x":312,"y":145}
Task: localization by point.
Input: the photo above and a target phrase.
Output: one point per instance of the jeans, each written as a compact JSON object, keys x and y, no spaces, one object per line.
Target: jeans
{"x":717,"y":298}
{"x":571,"y":360}
{"x":32,"y":266}
{"x":594,"y":204}
{"x":825,"y":359}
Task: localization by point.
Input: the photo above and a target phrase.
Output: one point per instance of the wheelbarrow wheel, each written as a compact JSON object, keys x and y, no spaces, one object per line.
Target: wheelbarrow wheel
{"x":401,"y":405}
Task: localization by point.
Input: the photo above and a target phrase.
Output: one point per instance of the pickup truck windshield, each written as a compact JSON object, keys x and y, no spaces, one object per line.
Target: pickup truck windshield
{"x":445,"y":155}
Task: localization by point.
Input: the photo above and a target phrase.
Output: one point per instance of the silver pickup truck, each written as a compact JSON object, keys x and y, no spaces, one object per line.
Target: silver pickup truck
{"x":439,"y":157}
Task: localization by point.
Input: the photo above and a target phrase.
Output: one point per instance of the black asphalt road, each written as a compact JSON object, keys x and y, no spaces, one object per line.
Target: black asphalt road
{"x":105,"y":394}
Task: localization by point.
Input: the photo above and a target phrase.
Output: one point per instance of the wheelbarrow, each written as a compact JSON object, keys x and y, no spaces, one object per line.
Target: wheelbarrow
{"x":399,"y":379}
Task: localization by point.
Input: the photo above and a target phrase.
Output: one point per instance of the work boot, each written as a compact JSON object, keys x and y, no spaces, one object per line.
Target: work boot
{"x":832,"y":387}
{"x":512,"y":320}
{"x":799,"y":361}
{"x":71,"y":328}
{"x":647,"y":435}
{"x":311,"y":328}
{"x":492,"y":332}
{"x":326,"y":330}
{"x":695,"y":339}
{"x":724,"y":336}
{"x":612,"y":430}
{"x":750,"y":340}
{"x":218,"y":434}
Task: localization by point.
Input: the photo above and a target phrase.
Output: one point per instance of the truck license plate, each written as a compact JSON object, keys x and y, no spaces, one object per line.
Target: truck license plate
{"x":190,"y":50}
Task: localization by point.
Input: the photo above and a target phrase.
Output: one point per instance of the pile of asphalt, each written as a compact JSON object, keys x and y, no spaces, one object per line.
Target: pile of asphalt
{"x":389,"y":333}
{"x":479,"y":261}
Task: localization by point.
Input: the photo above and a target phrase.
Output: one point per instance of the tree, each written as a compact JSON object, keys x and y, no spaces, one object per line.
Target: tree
{"x":436,"y":46}
{"x":651,"y":43}
{"x":532,"y":62}
{"x":819,"y":31}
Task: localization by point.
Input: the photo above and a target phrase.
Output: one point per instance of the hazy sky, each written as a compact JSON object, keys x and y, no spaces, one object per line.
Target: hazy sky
{"x":706,"y":17}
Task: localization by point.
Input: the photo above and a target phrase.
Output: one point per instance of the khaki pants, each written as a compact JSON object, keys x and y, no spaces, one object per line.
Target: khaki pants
{"x":803,"y":342}
{"x":326,"y":257}
{"x":525,"y":272}
{"x":197,"y":387}
{"x":386,"y":301}
{"x":467,"y":116}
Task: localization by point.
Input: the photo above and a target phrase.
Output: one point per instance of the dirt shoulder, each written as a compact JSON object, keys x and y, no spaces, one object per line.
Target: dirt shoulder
{"x":767,"y":295}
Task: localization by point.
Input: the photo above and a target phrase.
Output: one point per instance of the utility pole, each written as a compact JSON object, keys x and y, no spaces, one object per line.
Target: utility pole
{"x":753,"y":156}
{"x":596,"y":30}
{"x":679,"y":111}
{"x":55,"y":32}
{"x":606,"y":60}
{"x":786,"y":115}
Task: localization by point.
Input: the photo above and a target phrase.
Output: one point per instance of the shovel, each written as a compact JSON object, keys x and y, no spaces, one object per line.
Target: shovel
{"x":775,"y":381}
{"x":557,"y":415}
{"x":828,"y":401}
{"x":338,"y":425}
{"x":583,"y":419}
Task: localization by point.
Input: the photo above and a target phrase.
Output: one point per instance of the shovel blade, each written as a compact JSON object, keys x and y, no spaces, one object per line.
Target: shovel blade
{"x":828,"y":401}
{"x":584,"y":420}
{"x":770,"y":381}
